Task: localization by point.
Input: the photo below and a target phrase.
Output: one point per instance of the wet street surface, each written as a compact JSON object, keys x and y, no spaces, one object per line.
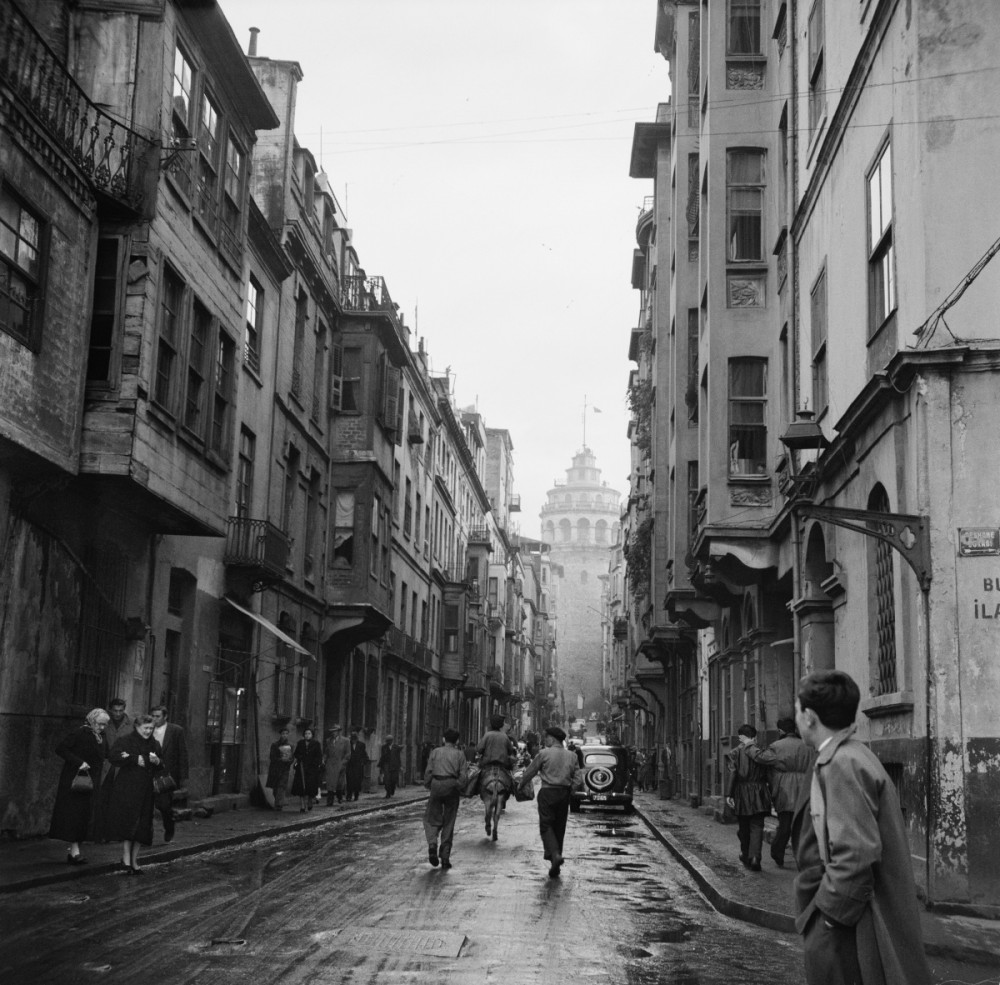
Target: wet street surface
{"x":356,"y":901}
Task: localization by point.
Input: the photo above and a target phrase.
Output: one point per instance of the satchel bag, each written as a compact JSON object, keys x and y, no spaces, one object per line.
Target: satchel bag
{"x":523,"y":793}
{"x":163,"y":783}
{"x":472,"y":781}
{"x":82,"y":783}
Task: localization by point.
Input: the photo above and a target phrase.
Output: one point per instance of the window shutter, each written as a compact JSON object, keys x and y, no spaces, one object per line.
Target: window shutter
{"x":391,"y":397}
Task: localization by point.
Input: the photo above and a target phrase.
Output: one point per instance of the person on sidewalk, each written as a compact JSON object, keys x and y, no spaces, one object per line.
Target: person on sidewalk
{"x":749,"y":798}
{"x":278,"y":767}
{"x":173,"y":744}
{"x":82,"y":752}
{"x":138,"y":757}
{"x":338,"y":751}
{"x":389,"y":765}
{"x":445,"y":776}
{"x":788,"y":761}
{"x":356,"y":763}
{"x":560,"y":772}
{"x":855,"y":893}
{"x":307,"y":761}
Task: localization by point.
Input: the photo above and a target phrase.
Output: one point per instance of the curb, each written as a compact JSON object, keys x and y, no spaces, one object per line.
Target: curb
{"x":769,"y":919}
{"x":158,"y":856}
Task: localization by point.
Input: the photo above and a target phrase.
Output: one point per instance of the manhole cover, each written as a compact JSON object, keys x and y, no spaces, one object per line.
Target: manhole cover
{"x":370,"y":938}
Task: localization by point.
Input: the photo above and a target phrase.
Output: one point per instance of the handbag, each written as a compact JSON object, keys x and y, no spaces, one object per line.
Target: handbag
{"x":163,"y":783}
{"x":523,"y":793}
{"x":82,"y":783}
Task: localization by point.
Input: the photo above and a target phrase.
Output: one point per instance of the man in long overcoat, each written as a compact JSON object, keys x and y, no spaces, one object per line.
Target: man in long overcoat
{"x":173,"y":742}
{"x":356,"y":763}
{"x":338,"y":751}
{"x":855,"y":893}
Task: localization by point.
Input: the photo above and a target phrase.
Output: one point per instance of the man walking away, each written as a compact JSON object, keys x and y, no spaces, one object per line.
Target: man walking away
{"x":748,"y":797}
{"x":389,"y":764}
{"x":445,"y":776}
{"x":788,"y":760}
{"x":560,"y":772}
{"x":175,"y":760}
{"x":855,"y":894}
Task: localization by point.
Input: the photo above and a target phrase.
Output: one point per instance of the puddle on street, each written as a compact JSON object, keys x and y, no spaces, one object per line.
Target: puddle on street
{"x":617,"y":833}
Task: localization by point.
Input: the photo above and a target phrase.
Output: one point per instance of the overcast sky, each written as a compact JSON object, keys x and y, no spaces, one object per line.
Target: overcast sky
{"x":480,"y":149}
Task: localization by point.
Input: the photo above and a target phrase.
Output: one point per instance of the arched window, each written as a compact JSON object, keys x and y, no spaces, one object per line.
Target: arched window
{"x":565,"y":531}
{"x":881,"y":603}
{"x":583,"y":531}
{"x":601,"y":532}
{"x":549,"y":532}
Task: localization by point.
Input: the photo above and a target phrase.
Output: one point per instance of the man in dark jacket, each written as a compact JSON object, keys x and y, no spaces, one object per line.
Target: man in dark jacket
{"x":748,"y":797}
{"x":788,"y":760}
{"x":389,"y":764}
{"x":175,"y":761}
{"x":356,"y":763}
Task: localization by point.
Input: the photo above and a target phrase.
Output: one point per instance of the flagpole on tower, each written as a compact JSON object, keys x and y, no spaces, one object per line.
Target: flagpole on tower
{"x":584,"y":420}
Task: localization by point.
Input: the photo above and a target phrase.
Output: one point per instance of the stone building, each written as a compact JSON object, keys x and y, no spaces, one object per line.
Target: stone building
{"x":580,"y":521}
{"x":814,"y":352}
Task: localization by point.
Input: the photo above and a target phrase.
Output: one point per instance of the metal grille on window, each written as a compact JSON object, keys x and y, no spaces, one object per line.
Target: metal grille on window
{"x":885,"y":609}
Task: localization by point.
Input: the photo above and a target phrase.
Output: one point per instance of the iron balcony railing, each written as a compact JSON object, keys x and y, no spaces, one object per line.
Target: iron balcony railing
{"x":110,"y":154}
{"x":475,"y":679}
{"x":407,"y":648}
{"x":256,"y":544}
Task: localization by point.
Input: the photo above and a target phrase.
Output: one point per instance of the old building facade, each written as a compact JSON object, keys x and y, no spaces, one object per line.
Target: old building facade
{"x":814,"y":328}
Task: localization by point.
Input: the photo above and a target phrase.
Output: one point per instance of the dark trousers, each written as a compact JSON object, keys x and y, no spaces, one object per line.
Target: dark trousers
{"x":553,"y":810}
{"x":830,"y":953}
{"x":390,"y":778}
{"x":751,"y":832}
{"x":163,"y":802}
{"x":439,"y":821}
{"x":781,"y":836}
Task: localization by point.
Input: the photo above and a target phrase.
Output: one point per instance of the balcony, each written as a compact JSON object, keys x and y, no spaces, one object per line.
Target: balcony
{"x":494,"y":614}
{"x":515,"y":503}
{"x":475,"y":684}
{"x":112,"y":157}
{"x":414,"y":430}
{"x":361,"y":294}
{"x":480,"y":535}
{"x":258,"y":545}
{"x":407,"y":649}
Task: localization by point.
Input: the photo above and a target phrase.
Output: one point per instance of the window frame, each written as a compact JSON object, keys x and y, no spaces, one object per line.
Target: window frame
{"x":816,"y":29}
{"x":164,"y":384}
{"x":883,"y":300}
{"x":819,"y":333}
{"x":746,"y":399}
{"x":220,"y":436}
{"x":760,"y":187}
{"x":747,"y":7}
{"x":251,"y":342}
{"x":245,"y":467}
{"x":197,"y":377}
{"x":32,"y":307}
{"x":110,"y":316}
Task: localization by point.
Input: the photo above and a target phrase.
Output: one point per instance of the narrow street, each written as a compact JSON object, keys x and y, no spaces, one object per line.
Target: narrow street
{"x":356,"y":901}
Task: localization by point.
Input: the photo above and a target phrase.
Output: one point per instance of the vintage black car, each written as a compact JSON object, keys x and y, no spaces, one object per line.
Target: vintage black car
{"x":607,"y":778}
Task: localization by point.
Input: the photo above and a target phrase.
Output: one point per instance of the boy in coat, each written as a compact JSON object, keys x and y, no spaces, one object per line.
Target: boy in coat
{"x":855,"y":894}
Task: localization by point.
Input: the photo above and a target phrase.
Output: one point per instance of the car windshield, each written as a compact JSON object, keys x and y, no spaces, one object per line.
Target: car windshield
{"x":601,"y":759}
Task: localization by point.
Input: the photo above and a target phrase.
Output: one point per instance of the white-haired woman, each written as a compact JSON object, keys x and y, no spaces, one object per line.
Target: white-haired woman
{"x":83,"y":752}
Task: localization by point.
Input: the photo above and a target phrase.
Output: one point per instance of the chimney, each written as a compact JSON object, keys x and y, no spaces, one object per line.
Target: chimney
{"x":252,"y":50}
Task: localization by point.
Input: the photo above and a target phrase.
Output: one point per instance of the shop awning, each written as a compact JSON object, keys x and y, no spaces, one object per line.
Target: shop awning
{"x":270,"y":627}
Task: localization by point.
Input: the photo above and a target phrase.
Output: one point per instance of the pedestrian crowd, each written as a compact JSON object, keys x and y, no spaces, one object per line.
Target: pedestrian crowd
{"x":116,"y":772}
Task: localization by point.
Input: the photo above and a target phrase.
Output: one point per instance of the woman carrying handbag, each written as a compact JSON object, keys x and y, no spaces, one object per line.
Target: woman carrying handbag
{"x":83,"y":753}
{"x":307,"y":763}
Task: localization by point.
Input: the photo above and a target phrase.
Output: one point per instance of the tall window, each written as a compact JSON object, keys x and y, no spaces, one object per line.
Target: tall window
{"x":818,"y":308}
{"x":319,"y":373}
{"x":408,"y":509}
{"x":291,"y":486}
{"x":232,"y":198}
{"x":350,"y":401}
{"x":208,"y":162}
{"x":817,"y":70}
{"x":223,"y":399}
{"x":194,"y":393}
{"x":255,"y":311}
{"x":691,"y":393}
{"x":404,"y":598}
{"x":693,"y":490}
{"x":375,"y":561}
{"x":343,"y":529}
{"x":168,"y":341}
{"x":336,"y":374}
{"x":182,"y":113}
{"x":747,"y":416}
{"x":299,"y":341}
{"x":881,"y":251}
{"x":882,"y":602}
{"x":104,"y":314}
{"x":744,"y":27}
{"x":745,"y":204}
{"x":244,"y":472}
{"x":20,"y":268}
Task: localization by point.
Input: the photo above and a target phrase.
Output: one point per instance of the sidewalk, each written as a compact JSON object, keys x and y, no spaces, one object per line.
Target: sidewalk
{"x":41,"y":861}
{"x":710,"y":852}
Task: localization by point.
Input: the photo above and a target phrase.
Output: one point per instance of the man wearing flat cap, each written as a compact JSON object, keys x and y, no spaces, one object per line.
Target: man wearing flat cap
{"x":560,"y":771}
{"x":338,"y":750}
{"x":789,"y":761}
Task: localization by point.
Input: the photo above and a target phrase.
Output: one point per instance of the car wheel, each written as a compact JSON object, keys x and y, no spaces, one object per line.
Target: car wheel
{"x":574,"y":807}
{"x":629,"y":808}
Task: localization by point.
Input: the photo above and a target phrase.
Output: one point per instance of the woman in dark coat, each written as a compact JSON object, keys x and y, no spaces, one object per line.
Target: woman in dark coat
{"x":279,"y":766}
{"x":130,"y":806}
{"x":83,"y":751}
{"x":307,"y":765}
